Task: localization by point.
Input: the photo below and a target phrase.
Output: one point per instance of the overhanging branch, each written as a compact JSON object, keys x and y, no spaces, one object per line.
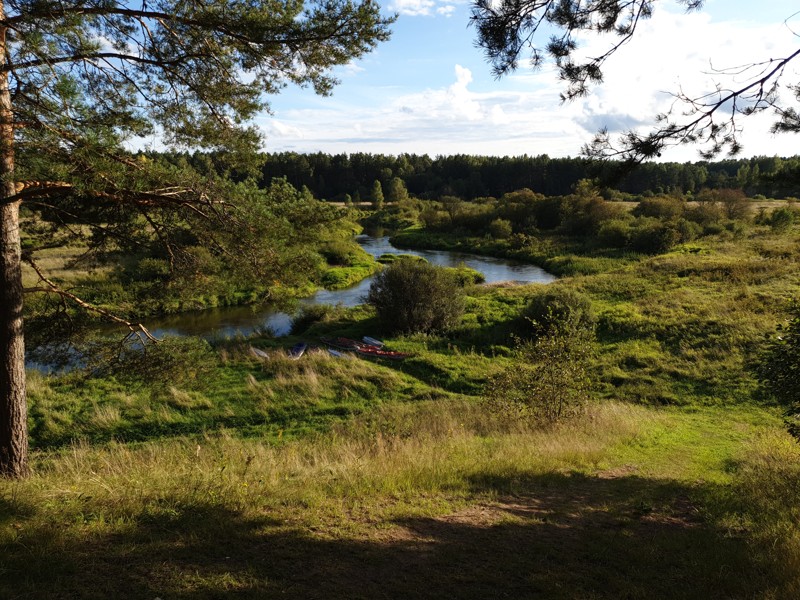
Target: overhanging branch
{"x":137,"y":329}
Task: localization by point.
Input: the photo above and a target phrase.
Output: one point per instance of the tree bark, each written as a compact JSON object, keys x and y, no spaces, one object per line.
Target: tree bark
{"x":13,"y":408}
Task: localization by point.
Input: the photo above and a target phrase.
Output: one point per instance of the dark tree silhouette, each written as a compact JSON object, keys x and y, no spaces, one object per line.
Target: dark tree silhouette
{"x":511,"y":29}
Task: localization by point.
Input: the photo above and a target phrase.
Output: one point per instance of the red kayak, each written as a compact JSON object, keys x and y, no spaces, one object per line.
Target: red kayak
{"x":375,"y":352}
{"x":363,"y":349}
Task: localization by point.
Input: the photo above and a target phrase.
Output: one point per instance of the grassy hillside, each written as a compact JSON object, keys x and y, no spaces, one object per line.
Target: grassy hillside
{"x":328,"y":478}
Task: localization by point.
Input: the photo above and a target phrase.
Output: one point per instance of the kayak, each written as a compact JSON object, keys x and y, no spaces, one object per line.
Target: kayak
{"x":258,"y":352}
{"x":374,"y":352}
{"x":372,"y":341}
{"x":297,"y":350}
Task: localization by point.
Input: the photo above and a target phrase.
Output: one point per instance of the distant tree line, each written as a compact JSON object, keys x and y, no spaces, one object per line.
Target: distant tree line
{"x":337,"y":177}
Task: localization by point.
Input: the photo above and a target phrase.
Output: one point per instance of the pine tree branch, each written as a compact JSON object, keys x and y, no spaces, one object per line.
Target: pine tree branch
{"x":135,"y":328}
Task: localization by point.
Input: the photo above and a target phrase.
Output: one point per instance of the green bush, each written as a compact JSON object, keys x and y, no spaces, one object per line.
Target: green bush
{"x":614,"y":234}
{"x":500,"y":229}
{"x":467,"y":276}
{"x":688,"y":230}
{"x":782,"y":218}
{"x":310,"y":314}
{"x":412,"y":296}
{"x":779,"y":368}
{"x":660,"y":207}
{"x":152,"y":269}
{"x":556,"y":309}
{"x":705,"y":214}
{"x":343,"y":253}
{"x":652,"y":236}
{"x":548,"y":382}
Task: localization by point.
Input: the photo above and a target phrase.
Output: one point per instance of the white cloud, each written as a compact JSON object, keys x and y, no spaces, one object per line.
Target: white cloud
{"x":446,"y":120}
{"x":413,"y":8}
{"x":682,"y":53}
{"x":522,"y":113}
{"x":423,"y":8}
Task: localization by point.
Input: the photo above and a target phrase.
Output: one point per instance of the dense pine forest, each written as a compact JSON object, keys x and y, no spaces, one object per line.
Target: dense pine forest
{"x":335,"y":177}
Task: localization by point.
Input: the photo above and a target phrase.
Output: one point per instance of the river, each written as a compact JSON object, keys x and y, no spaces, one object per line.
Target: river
{"x":245,"y":320}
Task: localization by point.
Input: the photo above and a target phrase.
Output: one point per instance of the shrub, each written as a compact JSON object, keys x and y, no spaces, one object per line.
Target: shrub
{"x":310,"y":314}
{"x":152,"y":269}
{"x":432,"y":218}
{"x":614,"y":234}
{"x":467,"y":276}
{"x":653,"y":237}
{"x":660,"y":207}
{"x":705,"y":214}
{"x":344,"y":253}
{"x":548,"y":382}
{"x":779,"y":368}
{"x":558,"y":309}
{"x":500,"y":229}
{"x":413,"y":296}
{"x":782,"y":218}
{"x":688,"y":230}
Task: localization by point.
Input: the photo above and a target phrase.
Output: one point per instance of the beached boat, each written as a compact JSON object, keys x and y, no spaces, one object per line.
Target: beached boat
{"x":258,"y":353}
{"x":342,"y":343}
{"x":362,"y":348}
{"x":297,"y":350}
{"x":372,"y":341}
{"x":373,"y":352}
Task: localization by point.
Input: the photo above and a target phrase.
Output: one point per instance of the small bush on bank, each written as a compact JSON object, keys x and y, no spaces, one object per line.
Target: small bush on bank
{"x":310,"y":314}
{"x":557,"y":309}
{"x":652,"y":236}
{"x":412,"y":296}
{"x":500,"y":229}
{"x":615,"y":233}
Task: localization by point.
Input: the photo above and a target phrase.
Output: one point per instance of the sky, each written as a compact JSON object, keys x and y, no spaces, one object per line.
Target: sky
{"x":429,"y":89}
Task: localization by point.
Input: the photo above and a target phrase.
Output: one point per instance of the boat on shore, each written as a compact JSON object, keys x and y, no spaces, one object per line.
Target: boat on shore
{"x":296,"y":351}
{"x":258,"y":353}
{"x":372,"y":341}
{"x":341,"y":343}
{"x":373,"y":352}
{"x":363,"y":348}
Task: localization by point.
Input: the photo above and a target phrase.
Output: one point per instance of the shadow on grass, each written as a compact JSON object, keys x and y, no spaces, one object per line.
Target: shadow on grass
{"x":557,"y":537}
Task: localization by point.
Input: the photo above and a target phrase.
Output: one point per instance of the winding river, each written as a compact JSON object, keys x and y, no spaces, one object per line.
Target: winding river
{"x":244,"y":320}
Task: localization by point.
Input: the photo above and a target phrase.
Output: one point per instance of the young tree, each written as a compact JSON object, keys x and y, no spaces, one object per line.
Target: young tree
{"x":397,"y":190}
{"x":79,"y":79}
{"x":549,"y":381}
{"x":778,"y":368}
{"x":377,"y":195}
{"x":510,"y":28}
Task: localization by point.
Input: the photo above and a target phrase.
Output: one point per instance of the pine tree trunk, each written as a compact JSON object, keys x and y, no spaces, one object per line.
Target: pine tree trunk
{"x":13,"y":408}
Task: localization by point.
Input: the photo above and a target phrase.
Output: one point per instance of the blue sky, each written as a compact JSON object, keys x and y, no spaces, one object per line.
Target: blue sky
{"x":430,"y":91}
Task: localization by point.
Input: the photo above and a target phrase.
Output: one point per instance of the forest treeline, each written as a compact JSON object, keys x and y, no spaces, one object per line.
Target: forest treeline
{"x":339,"y":176}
